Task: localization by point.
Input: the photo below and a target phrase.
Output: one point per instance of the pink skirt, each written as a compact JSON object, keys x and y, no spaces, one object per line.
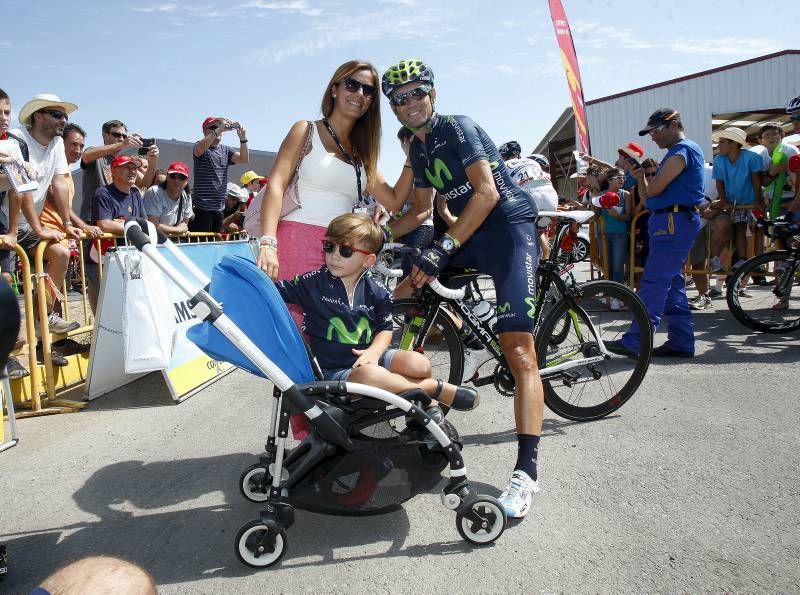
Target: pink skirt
{"x":299,"y":251}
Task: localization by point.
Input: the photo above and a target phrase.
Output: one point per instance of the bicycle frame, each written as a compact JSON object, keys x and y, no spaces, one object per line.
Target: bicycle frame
{"x":549,"y":273}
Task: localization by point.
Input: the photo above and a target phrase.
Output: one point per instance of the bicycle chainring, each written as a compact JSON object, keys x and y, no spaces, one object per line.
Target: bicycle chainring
{"x":504,"y":382}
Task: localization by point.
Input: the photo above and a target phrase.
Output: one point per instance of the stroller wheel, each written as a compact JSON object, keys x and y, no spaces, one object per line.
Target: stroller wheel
{"x":255,"y":483}
{"x":259,"y":546}
{"x":483,"y":522}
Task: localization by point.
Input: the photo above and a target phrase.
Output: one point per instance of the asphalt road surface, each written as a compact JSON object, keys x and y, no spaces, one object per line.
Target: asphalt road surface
{"x":692,"y":486}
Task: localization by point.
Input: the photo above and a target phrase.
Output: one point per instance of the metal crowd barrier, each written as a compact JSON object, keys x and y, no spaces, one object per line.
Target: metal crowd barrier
{"x":688,"y":267}
{"x":36,"y":396}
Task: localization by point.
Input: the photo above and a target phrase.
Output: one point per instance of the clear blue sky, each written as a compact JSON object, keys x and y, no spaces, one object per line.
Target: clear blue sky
{"x":161,"y":67}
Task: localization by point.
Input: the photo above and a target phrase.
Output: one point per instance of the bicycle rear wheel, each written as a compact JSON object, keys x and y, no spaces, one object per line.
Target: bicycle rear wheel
{"x":591,"y":391}
{"x":442,"y":346}
{"x":772,"y":308}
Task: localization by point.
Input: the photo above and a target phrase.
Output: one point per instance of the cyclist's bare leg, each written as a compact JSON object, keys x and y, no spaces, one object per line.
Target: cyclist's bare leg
{"x":518,"y":347}
{"x":544,"y":245}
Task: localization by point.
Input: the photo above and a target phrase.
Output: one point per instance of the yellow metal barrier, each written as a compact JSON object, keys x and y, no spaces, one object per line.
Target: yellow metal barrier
{"x":687,"y":267}
{"x":598,"y":258}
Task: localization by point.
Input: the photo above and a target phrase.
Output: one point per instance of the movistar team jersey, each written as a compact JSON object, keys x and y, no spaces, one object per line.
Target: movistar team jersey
{"x":453,"y":144}
{"x":335,"y":322}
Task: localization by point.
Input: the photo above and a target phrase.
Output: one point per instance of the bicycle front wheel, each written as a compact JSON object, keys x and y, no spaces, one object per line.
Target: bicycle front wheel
{"x":590,"y":391}
{"x":771,"y":308}
{"x":442,"y":345}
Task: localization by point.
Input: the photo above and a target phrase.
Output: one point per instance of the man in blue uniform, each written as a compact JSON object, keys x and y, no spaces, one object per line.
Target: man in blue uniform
{"x":495,"y":217}
{"x":672,"y":197}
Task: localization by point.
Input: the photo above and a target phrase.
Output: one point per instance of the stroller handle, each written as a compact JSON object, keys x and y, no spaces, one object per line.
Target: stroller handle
{"x":135,"y":234}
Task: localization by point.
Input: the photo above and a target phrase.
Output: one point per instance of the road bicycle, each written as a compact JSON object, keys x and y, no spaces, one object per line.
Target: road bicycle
{"x":772,"y":307}
{"x":573,"y":322}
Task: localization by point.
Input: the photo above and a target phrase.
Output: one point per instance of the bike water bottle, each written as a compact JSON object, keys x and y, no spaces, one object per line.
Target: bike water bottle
{"x":485,"y":311}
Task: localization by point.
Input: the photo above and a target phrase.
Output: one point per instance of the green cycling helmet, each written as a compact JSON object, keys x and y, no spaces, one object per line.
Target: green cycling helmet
{"x":405,"y":71}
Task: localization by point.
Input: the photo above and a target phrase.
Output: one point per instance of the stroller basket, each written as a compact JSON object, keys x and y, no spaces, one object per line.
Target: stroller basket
{"x":355,"y":461}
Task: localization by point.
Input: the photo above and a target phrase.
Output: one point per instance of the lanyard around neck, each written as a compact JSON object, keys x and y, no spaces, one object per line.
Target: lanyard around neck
{"x":347,"y":157}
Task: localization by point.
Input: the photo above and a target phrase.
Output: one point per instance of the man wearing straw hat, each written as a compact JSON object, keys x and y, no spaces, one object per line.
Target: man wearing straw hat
{"x":43,"y":121}
{"x":738,"y":176}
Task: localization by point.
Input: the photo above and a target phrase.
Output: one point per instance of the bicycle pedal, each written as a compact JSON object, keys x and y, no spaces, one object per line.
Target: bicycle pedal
{"x":569,"y":378}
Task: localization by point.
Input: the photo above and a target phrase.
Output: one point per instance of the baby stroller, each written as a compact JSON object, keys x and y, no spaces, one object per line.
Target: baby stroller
{"x":355,"y":461}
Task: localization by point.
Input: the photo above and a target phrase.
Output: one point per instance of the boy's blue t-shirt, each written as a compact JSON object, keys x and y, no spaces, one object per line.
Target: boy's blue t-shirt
{"x":687,"y":188}
{"x":737,"y":177}
{"x":334,"y":325}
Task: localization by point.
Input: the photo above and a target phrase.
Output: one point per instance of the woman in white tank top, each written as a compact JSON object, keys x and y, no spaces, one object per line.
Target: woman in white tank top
{"x":328,"y":183}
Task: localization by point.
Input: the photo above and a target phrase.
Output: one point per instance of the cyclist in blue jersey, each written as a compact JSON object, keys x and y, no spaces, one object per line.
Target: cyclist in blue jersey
{"x":494,"y":232}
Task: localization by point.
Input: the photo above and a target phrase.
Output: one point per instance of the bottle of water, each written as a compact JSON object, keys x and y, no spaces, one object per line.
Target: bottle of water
{"x":485,"y":311}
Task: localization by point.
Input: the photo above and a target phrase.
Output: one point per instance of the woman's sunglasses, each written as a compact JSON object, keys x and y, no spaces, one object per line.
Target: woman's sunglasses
{"x":400,"y":99}
{"x":180,"y":177}
{"x":353,"y":85}
{"x":650,"y":174}
{"x":345,"y":251}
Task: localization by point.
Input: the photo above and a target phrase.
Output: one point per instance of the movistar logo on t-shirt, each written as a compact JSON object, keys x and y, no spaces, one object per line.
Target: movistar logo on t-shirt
{"x":347,"y":336}
{"x":435,"y":178}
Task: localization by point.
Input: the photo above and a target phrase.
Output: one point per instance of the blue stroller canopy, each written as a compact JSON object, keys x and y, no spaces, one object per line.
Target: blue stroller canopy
{"x":251,"y":301}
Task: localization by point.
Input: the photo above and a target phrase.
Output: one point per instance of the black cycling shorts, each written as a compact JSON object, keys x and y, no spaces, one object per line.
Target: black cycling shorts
{"x":509,"y":254}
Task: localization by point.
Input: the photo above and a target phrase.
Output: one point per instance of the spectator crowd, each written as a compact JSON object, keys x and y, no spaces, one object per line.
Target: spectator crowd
{"x":120,"y":179}
{"x":749,"y":177}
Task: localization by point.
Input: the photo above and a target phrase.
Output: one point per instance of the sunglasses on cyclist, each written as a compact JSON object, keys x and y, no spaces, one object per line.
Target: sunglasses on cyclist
{"x":178,"y":177}
{"x":400,"y":99}
{"x":53,"y":113}
{"x":353,"y":85}
{"x":345,"y":251}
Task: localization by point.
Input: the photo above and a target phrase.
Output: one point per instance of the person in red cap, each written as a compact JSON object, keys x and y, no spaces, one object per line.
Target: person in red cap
{"x":96,"y":161}
{"x":112,"y":205}
{"x":211,"y":163}
{"x":169,"y":204}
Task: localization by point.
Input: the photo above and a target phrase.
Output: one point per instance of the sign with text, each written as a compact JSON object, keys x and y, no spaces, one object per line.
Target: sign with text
{"x":190,"y":369}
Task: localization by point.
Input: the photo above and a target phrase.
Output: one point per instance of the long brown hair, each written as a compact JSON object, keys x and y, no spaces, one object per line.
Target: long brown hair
{"x":366,"y":134}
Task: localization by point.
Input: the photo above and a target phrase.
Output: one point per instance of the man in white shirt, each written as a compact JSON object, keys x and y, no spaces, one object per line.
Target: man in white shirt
{"x":43,"y":120}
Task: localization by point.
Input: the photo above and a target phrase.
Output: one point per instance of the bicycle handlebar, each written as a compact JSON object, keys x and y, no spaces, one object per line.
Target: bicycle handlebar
{"x":435,"y":285}
{"x":446,"y":292}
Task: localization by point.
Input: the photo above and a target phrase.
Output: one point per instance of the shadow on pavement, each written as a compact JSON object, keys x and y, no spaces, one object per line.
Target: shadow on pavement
{"x":550,"y":427}
{"x":732,"y":342}
{"x":179,"y":520}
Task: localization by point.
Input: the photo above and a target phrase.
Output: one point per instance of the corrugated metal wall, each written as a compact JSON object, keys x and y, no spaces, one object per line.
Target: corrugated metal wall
{"x":767,"y":84}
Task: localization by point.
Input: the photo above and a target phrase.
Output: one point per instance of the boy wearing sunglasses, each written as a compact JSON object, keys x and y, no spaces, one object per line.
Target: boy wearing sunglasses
{"x":348,"y":318}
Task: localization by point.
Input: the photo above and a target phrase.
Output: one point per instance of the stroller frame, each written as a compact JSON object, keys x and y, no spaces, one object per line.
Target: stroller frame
{"x":480,"y":519}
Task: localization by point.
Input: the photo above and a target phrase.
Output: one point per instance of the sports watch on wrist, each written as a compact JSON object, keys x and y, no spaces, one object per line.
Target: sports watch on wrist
{"x":449,"y":244}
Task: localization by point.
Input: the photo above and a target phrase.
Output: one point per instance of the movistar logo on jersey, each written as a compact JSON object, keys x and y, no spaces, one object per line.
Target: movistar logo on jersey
{"x":344,"y":335}
{"x":531,"y":303}
{"x":494,"y":164}
{"x":503,"y":308}
{"x":456,"y":192}
{"x":435,"y":178}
